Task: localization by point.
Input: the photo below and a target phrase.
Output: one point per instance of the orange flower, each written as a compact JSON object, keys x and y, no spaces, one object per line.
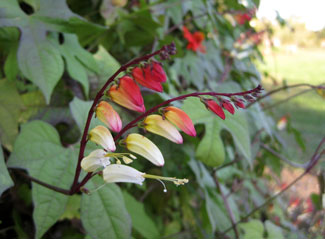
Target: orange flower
{"x":194,"y":40}
{"x":127,"y":94}
{"x":150,"y":76}
{"x":109,"y":116}
{"x":179,"y":118}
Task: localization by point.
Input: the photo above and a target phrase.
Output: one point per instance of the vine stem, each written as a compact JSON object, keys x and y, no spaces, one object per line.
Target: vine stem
{"x":83,"y":142}
{"x":284,"y":88}
{"x":312,"y":162}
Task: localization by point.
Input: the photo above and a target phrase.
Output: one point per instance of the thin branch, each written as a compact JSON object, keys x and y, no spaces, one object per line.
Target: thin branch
{"x":231,"y":215}
{"x":283,"y":88}
{"x":54,"y":188}
{"x":284,"y":159}
{"x":286,"y":99}
{"x":227,"y":164}
{"x":313,"y":161}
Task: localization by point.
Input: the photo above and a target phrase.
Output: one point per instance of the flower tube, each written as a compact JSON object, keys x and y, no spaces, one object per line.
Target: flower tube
{"x":96,"y":159}
{"x":102,"y":136}
{"x":179,"y":118}
{"x":157,"y":125}
{"x":127,"y":94}
{"x":118,"y":173}
{"x":144,"y":147}
{"x":215,"y":108}
{"x":109,"y":116}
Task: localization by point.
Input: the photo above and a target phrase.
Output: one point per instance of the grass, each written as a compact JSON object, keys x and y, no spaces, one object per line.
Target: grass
{"x":307,"y":111}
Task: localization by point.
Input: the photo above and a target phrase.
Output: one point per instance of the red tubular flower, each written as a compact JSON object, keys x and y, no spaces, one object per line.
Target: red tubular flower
{"x":228,"y":106}
{"x":109,"y":116}
{"x":239,"y":103}
{"x":127,"y":94}
{"x":150,"y":76}
{"x":179,"y":118}
{"x":215,"y":108}
{"x":194,"y":40}
{"x":242,"y":18}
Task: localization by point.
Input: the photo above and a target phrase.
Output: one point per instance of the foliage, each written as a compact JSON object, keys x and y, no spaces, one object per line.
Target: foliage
{"x":56,"y":55}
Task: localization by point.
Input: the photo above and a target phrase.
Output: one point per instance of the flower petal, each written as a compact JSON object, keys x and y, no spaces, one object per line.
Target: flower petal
{"x":109,"y":116}
{"x":127,"y":94}
{"x":179,"y":118}
{"x":96,"y":159}
{"x":228,"y":106}
{"x":144,"y":78}
{"x":102,"y":136}
{"x":144,"y":147}
{"x":157,"y":125}
{"x":118,"y":173}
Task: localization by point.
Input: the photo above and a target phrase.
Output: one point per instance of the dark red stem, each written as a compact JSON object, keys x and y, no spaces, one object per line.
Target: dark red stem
{"x":195,"y":94}
{"x":83,"y":142}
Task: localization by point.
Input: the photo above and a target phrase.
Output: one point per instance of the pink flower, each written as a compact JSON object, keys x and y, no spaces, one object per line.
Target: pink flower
{"x":109,"y":116}
{"x":194,"y":40}
{"x":127,"y":94}
{"x":179,"y":118}
{"x":215,"y":108}
{"x":150,"y":76}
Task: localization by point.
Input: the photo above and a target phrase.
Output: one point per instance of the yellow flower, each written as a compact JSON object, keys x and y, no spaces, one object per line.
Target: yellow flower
{"x":144,"y":147}
{"x":102,"y":136}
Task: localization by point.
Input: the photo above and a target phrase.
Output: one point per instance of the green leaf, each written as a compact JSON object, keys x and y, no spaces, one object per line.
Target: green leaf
{"x":103,"y":213}
{"x":273,"y":231}
{"x":33,"y":101}
{"x":72,"y":209}
{"x":5,"y":179}
{"x":211,"y":149}
{"x":38,"y":149}
{"x":79,"y":110}
{"x":141,"y":222}
{"x":10,"y":107}
{"x":11,"y":65}
{"x":253,"y":229}
{"x":38,"y":59}
{"x":107,"y":65}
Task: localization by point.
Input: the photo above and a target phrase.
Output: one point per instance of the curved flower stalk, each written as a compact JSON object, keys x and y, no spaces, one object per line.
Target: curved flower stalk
{"x":157,"y":125}
{"x":126,"y":92}
{"x":109,"y":116}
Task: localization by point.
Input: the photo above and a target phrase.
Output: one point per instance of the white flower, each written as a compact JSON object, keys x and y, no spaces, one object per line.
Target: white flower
{"x":118,"y":173}
{"x":96,"y":159}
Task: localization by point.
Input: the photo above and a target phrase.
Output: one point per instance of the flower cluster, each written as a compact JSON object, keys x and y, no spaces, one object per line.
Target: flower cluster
{"x":126,"y":93}
{"x":243,"y":17}
{"x":163,"y":120}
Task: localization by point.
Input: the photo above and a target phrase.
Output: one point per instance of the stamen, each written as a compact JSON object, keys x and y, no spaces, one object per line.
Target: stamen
{"x":176,"y":181}
{"x":165,"y":189}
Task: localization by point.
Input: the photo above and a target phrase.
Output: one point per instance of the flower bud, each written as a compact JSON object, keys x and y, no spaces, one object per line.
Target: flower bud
{"x":109,"y":116}
{"x":102,"y":136}
{"x":144,"y":147}
{"x":118,"y":173}
{"x":179,"y":118}
{"x":127,"y":94}
{"x":239,"y":103}
{"x":215,"y":108}
{"x":228,"y":106}
{"x":95,"y":160}
{"x":150,"y":76}
{"x":157,"y":125}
